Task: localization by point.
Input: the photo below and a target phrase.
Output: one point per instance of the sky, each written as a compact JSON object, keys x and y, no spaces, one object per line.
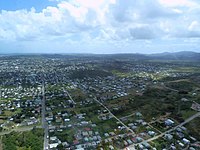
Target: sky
{"x":99,"y":26}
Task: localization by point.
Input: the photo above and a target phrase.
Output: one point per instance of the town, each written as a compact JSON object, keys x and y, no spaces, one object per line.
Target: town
{"x":99,"y":102}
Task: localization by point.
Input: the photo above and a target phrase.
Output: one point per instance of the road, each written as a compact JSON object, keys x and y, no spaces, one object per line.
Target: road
{"x":174,"y":128}
{"x":129,"y":129}
{"x":170,"y":88}
{"x":65,"y":91}
{"x":125,"y":117}
{"x":43,"y":105}
{"x":170,"y":130}
{"x":44,"y":123}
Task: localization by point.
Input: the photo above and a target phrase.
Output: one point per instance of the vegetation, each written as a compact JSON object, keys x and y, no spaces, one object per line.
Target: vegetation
{"x":194,"y":128}
{"x":29,"y":140}
{"x":80,"y":74}
{"x":183,"y":85}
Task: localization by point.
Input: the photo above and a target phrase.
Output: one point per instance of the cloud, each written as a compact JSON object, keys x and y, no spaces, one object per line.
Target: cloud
{"x":66,"y":18}
{"x":194,"y":29}
{"x":194,"y":26}
{"x":142,"y":32}
{"x":178,"y":3}
{"x":102,"y":21}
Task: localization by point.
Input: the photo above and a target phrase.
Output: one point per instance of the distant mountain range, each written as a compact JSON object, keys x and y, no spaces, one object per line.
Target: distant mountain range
{"x":183,"y":56}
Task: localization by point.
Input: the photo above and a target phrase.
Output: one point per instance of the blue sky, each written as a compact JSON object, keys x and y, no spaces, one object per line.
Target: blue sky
{"x":99,"y":26}
{"x":13,"y":5}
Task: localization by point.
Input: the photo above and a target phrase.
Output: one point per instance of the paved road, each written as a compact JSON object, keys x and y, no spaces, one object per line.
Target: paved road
{"x":127,"y":116}
{"x":129,"y":129}
{"x":65,"y":91}
{"x":43,"y":105}
{"x":174,"y":128}
{"x":168,"y":131}
{"x":44,"y":123}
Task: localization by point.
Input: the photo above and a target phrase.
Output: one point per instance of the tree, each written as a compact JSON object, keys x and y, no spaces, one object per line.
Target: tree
{"x":60,"y":147}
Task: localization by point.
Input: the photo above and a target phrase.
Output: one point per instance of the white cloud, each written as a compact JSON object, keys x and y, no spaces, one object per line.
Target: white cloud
{"x":108,"y":21}
{"x":194,"y":26}
{"x":142,"y":32}
{"x":178,"y":3}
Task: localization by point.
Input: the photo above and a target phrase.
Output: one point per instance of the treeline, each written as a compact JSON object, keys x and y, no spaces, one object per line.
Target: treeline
{"x":80,"y":74}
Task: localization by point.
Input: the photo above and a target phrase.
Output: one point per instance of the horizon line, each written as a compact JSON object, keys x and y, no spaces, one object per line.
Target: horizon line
{"x":79,"y":53}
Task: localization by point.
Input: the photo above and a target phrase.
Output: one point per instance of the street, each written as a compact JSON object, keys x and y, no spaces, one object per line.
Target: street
{"x":44,"y":123}
{"x":168,"y":131}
